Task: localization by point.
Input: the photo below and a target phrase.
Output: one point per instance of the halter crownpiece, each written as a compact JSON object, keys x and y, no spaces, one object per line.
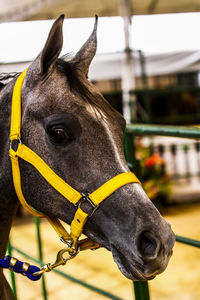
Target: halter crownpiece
{"x":72,"y":195}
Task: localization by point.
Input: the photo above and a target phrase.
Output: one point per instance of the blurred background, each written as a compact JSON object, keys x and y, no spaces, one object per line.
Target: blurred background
{"x":148,"y":67}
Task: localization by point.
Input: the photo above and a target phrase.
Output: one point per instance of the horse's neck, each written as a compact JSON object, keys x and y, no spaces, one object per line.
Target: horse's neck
{"x":8,"y":201}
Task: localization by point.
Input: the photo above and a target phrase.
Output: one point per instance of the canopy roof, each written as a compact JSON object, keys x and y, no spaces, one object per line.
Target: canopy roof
{"x":109,"y":66}
{"x":13,"y":10}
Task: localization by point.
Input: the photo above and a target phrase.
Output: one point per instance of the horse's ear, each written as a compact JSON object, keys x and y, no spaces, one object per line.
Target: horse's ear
{"x":47,"y":58}
{"x":85,"y":55}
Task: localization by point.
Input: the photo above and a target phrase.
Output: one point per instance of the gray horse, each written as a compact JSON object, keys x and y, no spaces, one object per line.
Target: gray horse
{"x":73,"y":128}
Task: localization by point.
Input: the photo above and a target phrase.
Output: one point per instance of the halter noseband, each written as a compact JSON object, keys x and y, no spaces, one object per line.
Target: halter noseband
{"x":72,"y":195}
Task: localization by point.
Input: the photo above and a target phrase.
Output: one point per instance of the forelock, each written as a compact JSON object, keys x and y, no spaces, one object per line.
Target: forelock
{"x":78,"y":87}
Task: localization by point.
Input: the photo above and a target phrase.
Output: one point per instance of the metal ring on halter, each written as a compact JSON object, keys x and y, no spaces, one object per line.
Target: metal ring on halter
{"x":69,"y":243}
{"x":18,"y":139}
{"x":86,"y":198}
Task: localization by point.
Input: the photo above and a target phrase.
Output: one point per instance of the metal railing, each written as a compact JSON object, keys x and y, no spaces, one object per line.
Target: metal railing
{"x":141,"y":289}
{"x":133,"y":130}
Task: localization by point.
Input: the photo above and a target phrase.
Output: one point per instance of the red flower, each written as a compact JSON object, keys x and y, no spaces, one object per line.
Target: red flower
{"x":154,"y":159}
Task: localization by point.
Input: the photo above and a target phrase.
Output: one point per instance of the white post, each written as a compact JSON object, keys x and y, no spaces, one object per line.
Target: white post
{"x":127,"y":79}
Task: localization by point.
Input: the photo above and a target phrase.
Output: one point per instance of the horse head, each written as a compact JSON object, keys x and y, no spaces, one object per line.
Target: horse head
{"x":68,"y":123}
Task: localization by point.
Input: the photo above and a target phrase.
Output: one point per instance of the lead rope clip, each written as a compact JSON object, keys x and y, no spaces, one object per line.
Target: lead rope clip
{"x":60,"y":260}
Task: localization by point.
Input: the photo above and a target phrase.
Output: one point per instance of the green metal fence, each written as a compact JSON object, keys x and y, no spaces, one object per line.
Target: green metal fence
{"x":141,"y":289}
{"x":133,"y":130}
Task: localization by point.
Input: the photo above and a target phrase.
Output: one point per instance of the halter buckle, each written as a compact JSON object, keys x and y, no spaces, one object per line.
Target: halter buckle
{"x":86,"y":198}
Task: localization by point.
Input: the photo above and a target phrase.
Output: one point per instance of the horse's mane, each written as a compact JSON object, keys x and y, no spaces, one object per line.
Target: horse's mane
{"x":6,"y":77}
{"x":74,"y":81}
{"x":78,"y":87}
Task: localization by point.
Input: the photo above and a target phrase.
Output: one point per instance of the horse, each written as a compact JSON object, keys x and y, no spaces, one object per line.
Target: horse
{"x":70,"y":125}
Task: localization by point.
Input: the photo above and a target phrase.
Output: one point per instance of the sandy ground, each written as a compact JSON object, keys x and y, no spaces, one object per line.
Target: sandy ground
{"x":180,"y":281}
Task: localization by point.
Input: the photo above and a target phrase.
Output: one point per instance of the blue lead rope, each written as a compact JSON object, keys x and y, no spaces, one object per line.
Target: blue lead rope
{"x":18,"y":268}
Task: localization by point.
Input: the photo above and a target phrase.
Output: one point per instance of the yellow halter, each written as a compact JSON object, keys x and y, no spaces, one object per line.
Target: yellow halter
{"x":57,"y":182}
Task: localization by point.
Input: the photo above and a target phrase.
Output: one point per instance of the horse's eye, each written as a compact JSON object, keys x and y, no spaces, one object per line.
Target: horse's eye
{"x":59,"y":136}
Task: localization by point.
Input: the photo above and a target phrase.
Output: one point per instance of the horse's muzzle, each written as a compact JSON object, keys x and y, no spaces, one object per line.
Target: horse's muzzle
{"x":155,"y":252}
{"x":151,"y":257}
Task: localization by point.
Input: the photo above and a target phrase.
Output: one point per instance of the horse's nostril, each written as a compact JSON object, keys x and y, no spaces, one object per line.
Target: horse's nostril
{"x":148,"y":245}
